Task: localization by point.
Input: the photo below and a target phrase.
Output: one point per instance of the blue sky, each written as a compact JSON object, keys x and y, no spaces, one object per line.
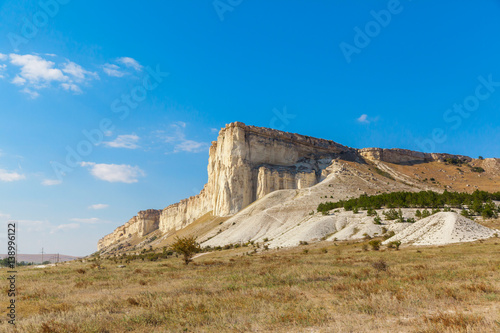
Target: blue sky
{"x":151,"y":83}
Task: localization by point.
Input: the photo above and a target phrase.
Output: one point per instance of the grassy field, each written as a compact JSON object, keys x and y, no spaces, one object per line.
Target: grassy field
{"x":323,"y":287}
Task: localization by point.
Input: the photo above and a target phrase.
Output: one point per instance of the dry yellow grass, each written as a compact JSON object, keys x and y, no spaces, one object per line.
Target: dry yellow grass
{"x":331,"y":288}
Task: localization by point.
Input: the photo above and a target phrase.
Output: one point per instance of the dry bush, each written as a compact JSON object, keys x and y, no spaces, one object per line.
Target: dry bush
{"x":380,"y":265}
{"x":81,"y":271}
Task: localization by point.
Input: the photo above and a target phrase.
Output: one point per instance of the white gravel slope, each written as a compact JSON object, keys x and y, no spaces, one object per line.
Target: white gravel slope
{"x":442,"y":228}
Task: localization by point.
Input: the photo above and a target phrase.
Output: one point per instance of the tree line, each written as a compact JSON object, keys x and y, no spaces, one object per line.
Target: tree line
{"x":479,"y":202}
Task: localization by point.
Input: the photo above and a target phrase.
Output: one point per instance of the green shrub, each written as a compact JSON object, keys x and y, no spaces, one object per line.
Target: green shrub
{"x":375,"y":244}
{"x":425,"y":213}
{"x":391,"y":214}
{"x":394,"y":244}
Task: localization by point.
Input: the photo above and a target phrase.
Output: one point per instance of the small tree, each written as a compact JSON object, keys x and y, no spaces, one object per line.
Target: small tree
{"x":401,"y":218}
{"x":187,"y":246}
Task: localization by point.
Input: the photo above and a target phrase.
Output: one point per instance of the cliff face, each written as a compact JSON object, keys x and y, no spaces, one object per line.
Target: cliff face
{"x":142,"y":224}
{"x":402,"y":156}
{"x":248,"y":162}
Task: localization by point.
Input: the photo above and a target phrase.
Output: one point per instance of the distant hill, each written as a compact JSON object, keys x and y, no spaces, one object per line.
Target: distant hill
{"x":37,"y":258}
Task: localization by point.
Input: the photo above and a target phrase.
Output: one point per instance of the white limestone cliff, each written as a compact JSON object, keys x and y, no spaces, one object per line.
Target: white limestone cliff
{"x":245,"y":164}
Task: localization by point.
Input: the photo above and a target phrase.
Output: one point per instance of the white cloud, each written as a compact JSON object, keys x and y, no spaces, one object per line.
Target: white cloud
{"x":113,"y":70}
{"x":177,"y":137}
{"x":37,"y":70}
{"x":71,"y":87}
{"x":363,"y":119}
{"x":31,"y":93}
{"x":77,"y":71}
{"x":3,"y":57}
{"x":128,"y":141}
{"x":91,"y":220}
{"x":37,"y":73}
{"x":115,"y":172}
{"x":98,"y":206}
{"x":2,"y":68}
{"x":51,"y":182}
{"x":17,"y":80}
{"x":191,"y":146}
{"x":63,"y":227}
{"x":130,"y":62}
{"x":214,"y":130}
{"x":6,"y":176}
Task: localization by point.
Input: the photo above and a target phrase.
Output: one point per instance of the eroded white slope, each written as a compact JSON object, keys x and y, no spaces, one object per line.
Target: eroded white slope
{"x":285,"y":216}
{"x":442,"y":228}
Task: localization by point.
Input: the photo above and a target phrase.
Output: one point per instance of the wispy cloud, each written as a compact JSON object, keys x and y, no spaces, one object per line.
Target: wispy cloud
{"x":77,"y":71}
{"x":3,"y":57}
{"x":2,"y":69}
{"x":31,"y":93}
{"x":113,"y":70}
{"x":92,"y":220}
{"x":191,"y":146}
{"x":51,"y":182}
{"x":113,"y":173}
{"x":130,"y":62}
{"x":71,"y":87}
{"x":10,"y":176}
{"x":62,"y":227}
{"x":176,"y":136}
{"x":119,"y":68}
{"x":364,"y":119}
{"x":128,"y":141}
{"x":98,"y":206}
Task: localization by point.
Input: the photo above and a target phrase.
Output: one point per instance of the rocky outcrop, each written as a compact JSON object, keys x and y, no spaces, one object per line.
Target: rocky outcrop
{"x":143,"y":223}
{"x":405,"y":156}
{"x":248,"y":162}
